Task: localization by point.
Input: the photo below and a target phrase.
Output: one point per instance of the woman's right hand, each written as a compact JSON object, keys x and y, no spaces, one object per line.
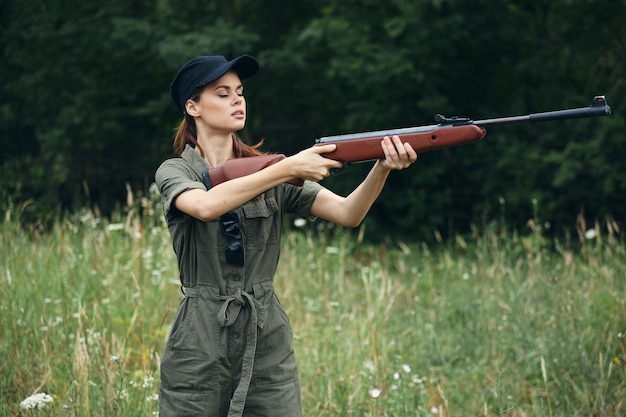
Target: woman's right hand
{"x":311,"y":165}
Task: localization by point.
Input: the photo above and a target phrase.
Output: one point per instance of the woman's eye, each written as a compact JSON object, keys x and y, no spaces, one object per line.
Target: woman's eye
{"x":226,"y":95}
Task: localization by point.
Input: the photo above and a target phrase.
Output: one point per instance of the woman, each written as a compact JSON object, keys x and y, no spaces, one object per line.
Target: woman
{"x":229,"y":352}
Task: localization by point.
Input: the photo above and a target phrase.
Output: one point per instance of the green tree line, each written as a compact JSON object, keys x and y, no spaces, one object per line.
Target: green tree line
{"x":85,"y":112}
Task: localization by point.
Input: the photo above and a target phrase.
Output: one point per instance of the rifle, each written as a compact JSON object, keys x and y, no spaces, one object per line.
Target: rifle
{"x":362,"y":147}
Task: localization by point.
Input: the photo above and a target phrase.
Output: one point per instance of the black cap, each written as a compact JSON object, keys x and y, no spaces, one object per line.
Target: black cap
{"x":203,"y":70}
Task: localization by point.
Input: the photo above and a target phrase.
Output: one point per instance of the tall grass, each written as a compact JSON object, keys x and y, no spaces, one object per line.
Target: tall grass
{"x":492,"y":324}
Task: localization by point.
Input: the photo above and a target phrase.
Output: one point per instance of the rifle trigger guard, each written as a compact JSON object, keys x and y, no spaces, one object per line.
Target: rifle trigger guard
{"x":336,"y":171}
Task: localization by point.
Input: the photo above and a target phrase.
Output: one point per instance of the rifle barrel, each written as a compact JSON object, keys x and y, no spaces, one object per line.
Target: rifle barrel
{"x":599,"y":107}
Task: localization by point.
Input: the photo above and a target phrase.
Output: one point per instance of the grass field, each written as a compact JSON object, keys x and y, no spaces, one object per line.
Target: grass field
{"x":493,"y":324}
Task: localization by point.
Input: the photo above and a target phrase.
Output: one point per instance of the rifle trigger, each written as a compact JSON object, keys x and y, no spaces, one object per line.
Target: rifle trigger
{"x":336,"y":171}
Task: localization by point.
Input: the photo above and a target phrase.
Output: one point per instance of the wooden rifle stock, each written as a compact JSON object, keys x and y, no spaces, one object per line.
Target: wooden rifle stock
{"x":362,"y":147}
{"x":240,"y":167}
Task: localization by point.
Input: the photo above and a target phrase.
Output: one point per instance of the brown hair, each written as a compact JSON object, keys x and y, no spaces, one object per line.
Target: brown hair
{"x":186,"y":134}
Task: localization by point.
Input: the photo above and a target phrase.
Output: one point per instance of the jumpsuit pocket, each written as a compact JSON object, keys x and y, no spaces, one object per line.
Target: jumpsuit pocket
{"x":182,"y":318}
{"x":260,"y":206}
{"x":192,"y":354}
{"x":188,"y":404}
{"x":262,"y":222}
{"x":275,"y":363}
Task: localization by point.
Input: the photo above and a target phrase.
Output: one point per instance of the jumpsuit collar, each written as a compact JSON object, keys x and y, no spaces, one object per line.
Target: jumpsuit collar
{"x":193,"y":159}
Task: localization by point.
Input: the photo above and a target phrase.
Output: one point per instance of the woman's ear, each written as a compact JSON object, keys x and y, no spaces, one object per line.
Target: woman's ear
{"x":191,"y":107}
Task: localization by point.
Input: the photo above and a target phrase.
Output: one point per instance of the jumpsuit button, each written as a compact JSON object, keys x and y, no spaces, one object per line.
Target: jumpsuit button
{"x":234,"y":335}
{"x":237,"y":277}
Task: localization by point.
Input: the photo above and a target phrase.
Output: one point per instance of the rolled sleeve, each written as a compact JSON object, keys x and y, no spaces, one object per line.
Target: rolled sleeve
{"x":298,"y":200}
{"x":173,"y":178}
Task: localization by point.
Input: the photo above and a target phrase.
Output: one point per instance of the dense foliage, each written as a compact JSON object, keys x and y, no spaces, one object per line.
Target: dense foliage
{"x":85,"y":112}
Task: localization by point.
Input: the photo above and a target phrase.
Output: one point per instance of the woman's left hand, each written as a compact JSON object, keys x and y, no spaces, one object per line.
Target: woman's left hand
{"x":398,"y":155}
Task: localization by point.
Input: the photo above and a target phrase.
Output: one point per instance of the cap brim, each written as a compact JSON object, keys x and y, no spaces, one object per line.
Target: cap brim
{"x":245,"y":66}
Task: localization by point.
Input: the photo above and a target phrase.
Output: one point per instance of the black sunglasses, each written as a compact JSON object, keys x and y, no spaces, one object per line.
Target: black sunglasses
{"x":230,"y":227}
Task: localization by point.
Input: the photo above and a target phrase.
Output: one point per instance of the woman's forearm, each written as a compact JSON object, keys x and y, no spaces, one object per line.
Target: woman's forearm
{"x":351,"y":210}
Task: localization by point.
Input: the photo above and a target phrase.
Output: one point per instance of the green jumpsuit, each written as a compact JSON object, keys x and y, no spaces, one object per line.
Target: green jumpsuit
{"x":229,"y":351}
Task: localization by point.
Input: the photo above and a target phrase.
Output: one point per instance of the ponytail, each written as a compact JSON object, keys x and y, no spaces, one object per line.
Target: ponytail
{"x":186,"y":134}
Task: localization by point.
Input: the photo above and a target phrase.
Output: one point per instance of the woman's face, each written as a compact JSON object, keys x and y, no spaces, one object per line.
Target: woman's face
{"x":222,"y":106}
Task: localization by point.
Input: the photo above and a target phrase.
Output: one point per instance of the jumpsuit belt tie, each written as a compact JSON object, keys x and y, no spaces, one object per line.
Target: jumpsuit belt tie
{"x":227,"y":315}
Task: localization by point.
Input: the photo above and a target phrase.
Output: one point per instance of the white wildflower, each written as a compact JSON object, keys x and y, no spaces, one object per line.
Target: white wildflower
{"x":590,"y":234}
{"x":115,"y":226}
{"x":417,"y":380}
{"x":406,"y":368}
{"x":375,"y":393}
{"x":36,"y":401}
{"x":434,"y":409}
{"x":147,"y":381}
{"x":299,"y":222}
